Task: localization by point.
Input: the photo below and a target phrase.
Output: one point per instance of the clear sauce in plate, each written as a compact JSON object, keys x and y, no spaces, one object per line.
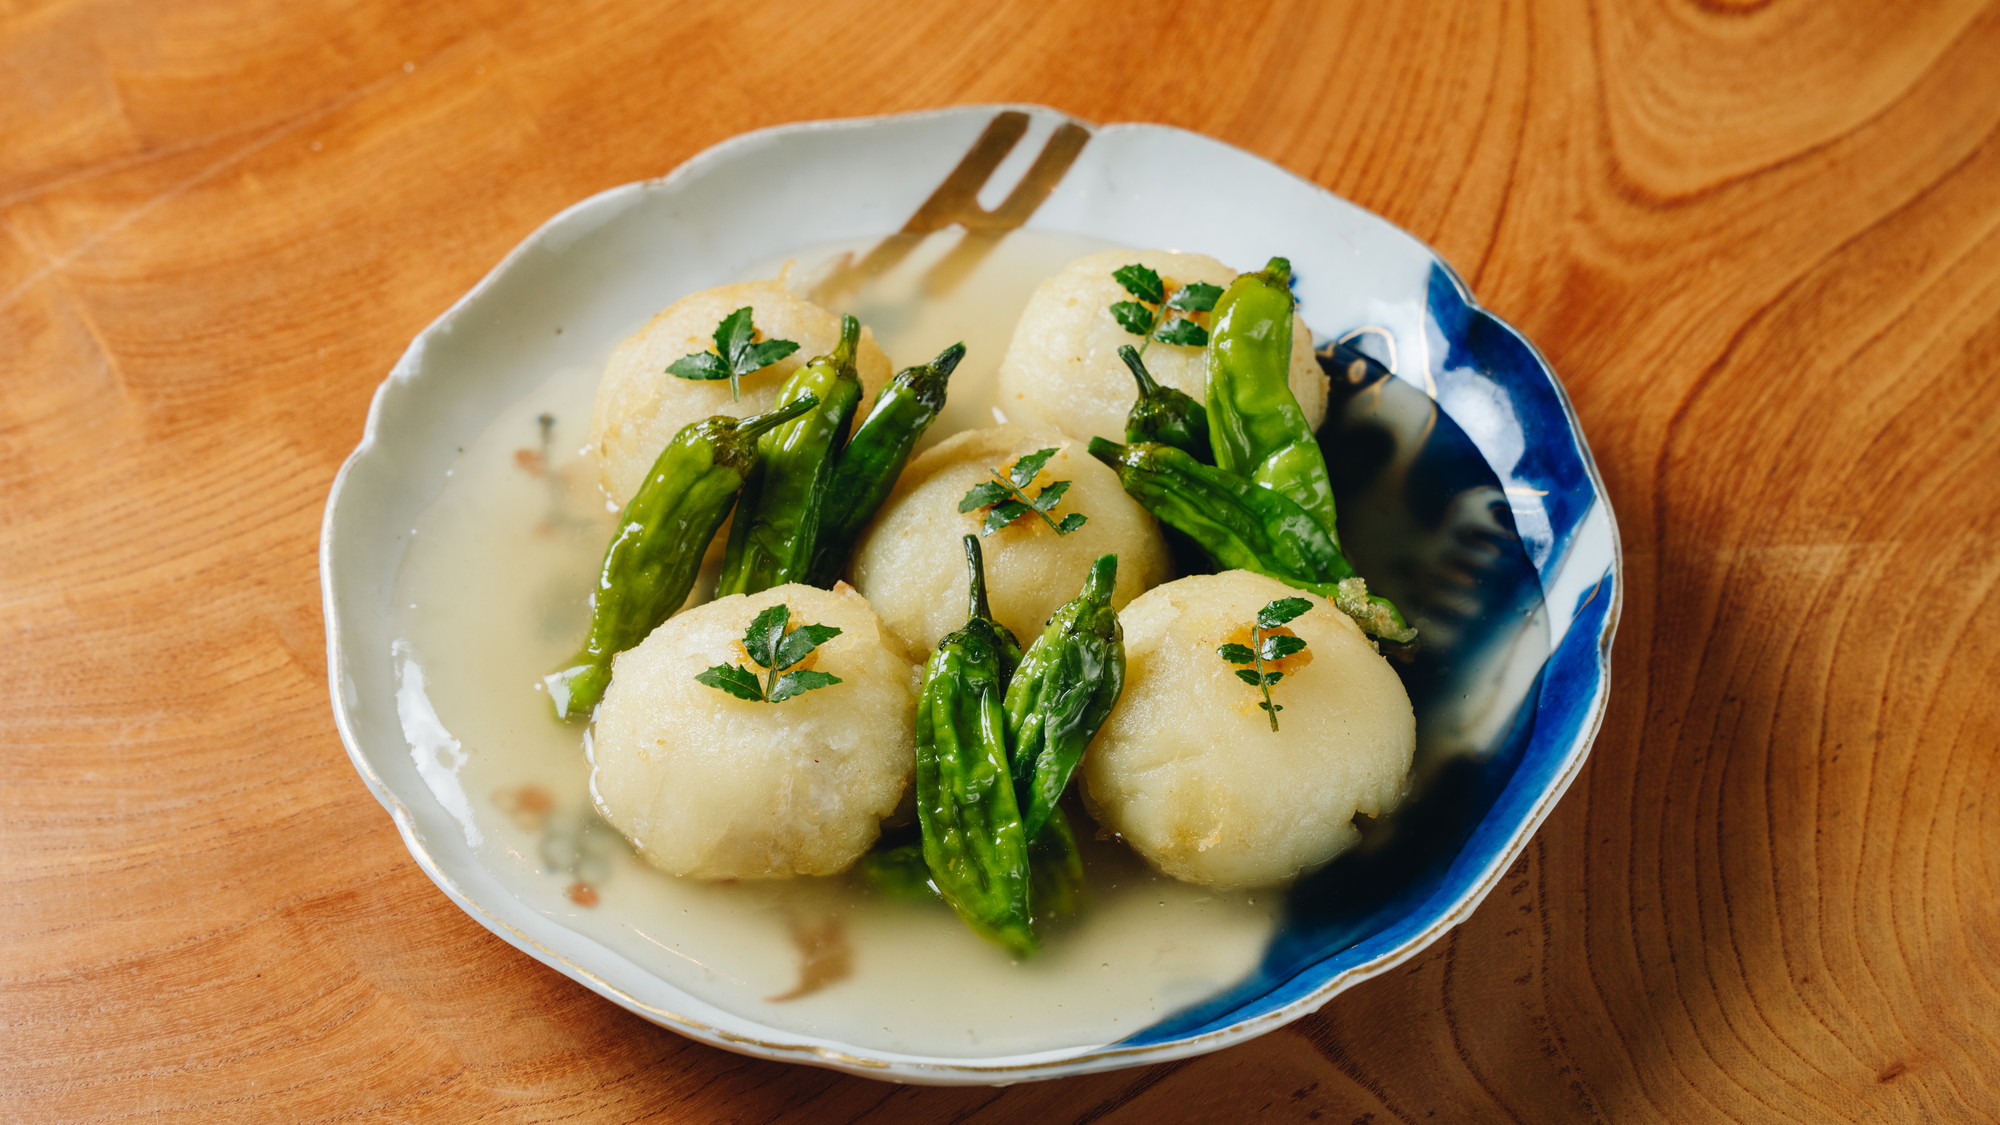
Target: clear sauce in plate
{"x":492,"y":594}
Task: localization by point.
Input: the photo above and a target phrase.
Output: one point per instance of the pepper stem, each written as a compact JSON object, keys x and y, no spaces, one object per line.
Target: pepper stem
{"x":1110,"y":452}
{"x":771,"y":419}
{"x":1103,"y":577}
{"x":947,"y":361}
{"x":850,"y":335}
{"x":1148,"y":387}
{"x":1279,"y":271}
{"x":975,"y":572}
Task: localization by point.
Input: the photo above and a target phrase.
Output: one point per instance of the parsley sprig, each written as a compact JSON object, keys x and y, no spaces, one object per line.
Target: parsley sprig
{"x":1267,"y":647}
{"x":1005,"y":501}
{"x":772,"y":648}
{"x":1152,"y":315}
{"x":737,"y":353}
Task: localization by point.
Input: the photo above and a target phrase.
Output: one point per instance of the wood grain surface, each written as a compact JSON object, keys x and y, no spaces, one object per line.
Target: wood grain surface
{"x":1759,"y":240}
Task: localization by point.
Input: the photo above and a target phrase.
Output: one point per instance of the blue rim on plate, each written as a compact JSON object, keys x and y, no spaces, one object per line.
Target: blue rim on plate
{"x":1455,"y":452}
{"x":1461,"y":824}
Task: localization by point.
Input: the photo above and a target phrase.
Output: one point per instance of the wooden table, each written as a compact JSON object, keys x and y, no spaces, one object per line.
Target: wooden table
{"x":1759,"y":240}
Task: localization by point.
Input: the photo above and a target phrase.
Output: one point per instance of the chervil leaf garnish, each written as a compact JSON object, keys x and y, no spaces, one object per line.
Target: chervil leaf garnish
{"x":1005,"y":501}
{"x":737,"y":353}
{"x":1186,"y":333}
{"x":1135,"y":317}
{"x":1002,"y":514}
{"x":761,"y":639}
{"x":734,"y":679}
{"x":1196,"y":296}
{"x":792,"y":683}
{"x":770,"y":647}
{"x":1267,"y":646}
{"x":1151,"y":315}
{"x":1141,"y":282}
{"x":1281,"y":611}
{"x":800,"y":642}
{"x":767,"y":352}
{"x":1279,"y":646}
{"x":1051,"y":496}
{"x":1023,"y":471}
{"x":983,"y":494}
{"x":700,"y":365}
{"x":1259,"y":679}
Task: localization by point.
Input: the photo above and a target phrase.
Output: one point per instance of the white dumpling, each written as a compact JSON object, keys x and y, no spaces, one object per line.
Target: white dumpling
{"x":640,"y":407}
{"x":712,"y":786}
{"x":911,"y":561}
{"x":1062,"y":367}
{"x":1187,"y":768}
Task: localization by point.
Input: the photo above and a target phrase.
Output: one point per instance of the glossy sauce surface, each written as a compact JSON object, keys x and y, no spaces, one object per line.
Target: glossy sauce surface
{"x":491,"y":595}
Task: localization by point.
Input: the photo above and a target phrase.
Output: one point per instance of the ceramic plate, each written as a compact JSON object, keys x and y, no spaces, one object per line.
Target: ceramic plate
{"x":1466,"y":490}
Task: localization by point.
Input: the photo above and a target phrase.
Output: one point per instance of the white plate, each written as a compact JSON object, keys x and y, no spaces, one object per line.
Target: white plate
{"x":601,"y":268}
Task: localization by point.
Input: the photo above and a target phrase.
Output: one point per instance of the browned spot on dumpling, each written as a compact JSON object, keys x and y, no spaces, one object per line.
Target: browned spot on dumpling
{"x":1289,"y":664}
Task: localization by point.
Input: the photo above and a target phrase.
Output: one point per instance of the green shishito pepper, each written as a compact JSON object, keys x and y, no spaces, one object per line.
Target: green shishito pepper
{"x":1055,"y":870}
{"x":1255,"y":423}
{"x":1164,"y":414}
{"x":1245,"y":526}
{"x":1061,"y":694}
{"x":656,"y":552}
{"x":898,"y":871}
{"x":777,"y":521}
{"x":972,"y":837}
{"x":869,"y":465}
{"x":1240,"y":525}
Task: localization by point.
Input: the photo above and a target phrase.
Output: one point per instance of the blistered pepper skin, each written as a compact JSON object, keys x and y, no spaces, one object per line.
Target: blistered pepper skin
{"x":874,"y":457}
{"x":973,"y":840}
{"x":1066,"y":685}
{"x":777,"y":521}
{"x":656,"y":552}
{"x":1241,"y":525}
{"x":1256,"y":426}
{"x":1162,"y":414}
